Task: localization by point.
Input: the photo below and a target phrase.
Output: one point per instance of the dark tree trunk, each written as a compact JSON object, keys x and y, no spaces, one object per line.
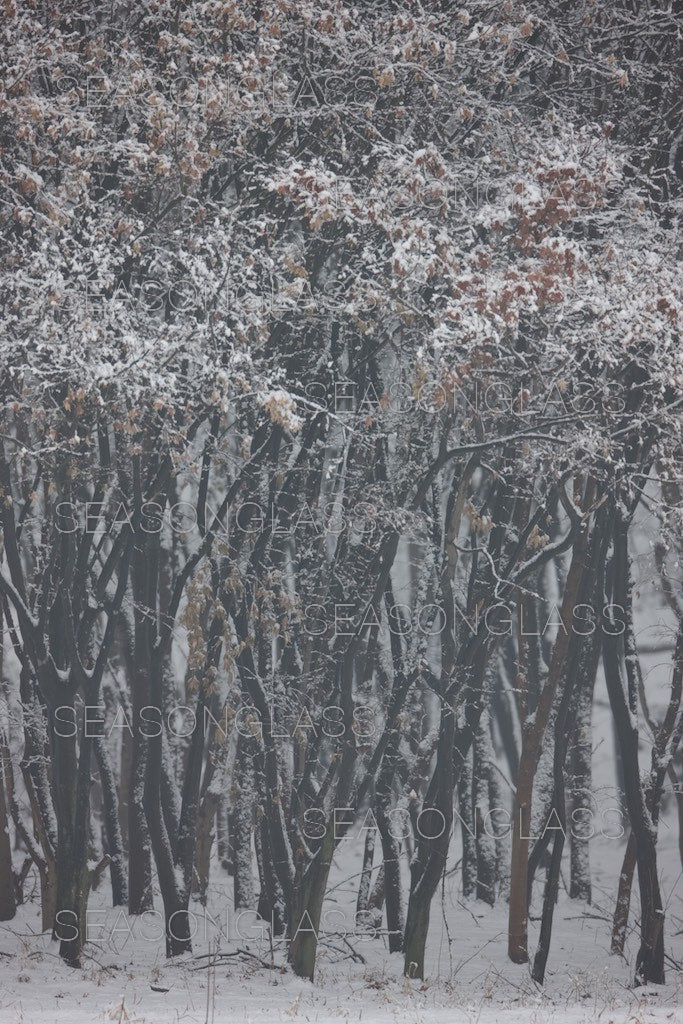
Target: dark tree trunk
{"x":376,"y":899}
{"x":308,"y":904}
{"x":363,"y":897}
{"x":581,"y":796}
{"x":582,"y":663}
{"x":484,"y":842}
{"x":623,"y":904}
{"x":117,"y":868}
{"x":72,"y":787}
{"x":534,"y":732}
{"x":391,"y":847}
{"x":8,"y":900}
{"x":204,"y":844}
{"x":650,"y":959}
{"x":429,"y":861}
{"x":468,"y":829}
{"x":242,"y":825}
{"x":223,"y":833}
{"x":140,"y":897}
{"x":271,"y":906}
{"x":175,"y":894}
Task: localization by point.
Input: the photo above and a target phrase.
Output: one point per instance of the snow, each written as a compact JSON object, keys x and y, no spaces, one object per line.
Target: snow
{"x":470,"y":981}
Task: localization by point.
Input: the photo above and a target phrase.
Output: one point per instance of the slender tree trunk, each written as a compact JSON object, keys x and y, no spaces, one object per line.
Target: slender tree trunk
{"x":175,"y":891}
{"x":468,"y":829}
{"x":8,"y":902}
{"x":534,"y":732}
{"x":72,"y":785}
{"x":425,"y":875}
{"x":519,"y":864}
{"x":391,"y":846}
{"x":363,"y":897}
{"x":429,"y":861}
{"x":223,"y":833}
{"x":311,"y":877}
{"x":376,"y":899}
{"x":37,"y":783}
{"x":650,"y":959}
{"x":242,"y":822}
{"x":678,"y":796}
{"x":204,"y":844}
{"x":621,"y":909}
{"x":140,"y":897}
{"x":549,"y":901}
{"x":119,"y":881}
{"x":271,"y":907}
{"x":581,"y":668}
{"x":309,"y":896}
{"x":498,"y":824}
{"x":124,"y":788}
{"x":581,"y":797}
{"x":484,"y":842}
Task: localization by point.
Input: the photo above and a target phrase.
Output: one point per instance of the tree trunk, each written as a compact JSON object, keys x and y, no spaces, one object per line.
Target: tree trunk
{"x":72,"y":786}
{"x":498,"y":824}
{"x":376,"y":899}
{"x":678,"y":796}
{"x":650,"y":959}
{"x":223,"y":833}
{"x":391,"y":847}
{"x":581,"y":668}
{"x":484,"y":842}
{"x":621,"y":909}
{"x":308,"y":904}
{"x":581,"y":796}
{"x":533,"y":733}
{"x":311,"y":877}
{"x":363,"y":897}
{"x":8,"y":902}
{"x":468,"y":829}
{"x":175,"y":892}
{"x":204,"y":844}
{"x":271,"y":904}
{"x":242,"y":822}
{"x":140,"y":896}
{"x":119,"y":881}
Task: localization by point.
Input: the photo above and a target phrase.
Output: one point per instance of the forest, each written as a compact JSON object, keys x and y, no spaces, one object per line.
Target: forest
{"x":340,"y":498}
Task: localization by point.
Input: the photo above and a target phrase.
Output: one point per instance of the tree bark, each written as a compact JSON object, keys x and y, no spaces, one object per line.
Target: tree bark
{"x":484,"y":842}
{"x":119,"y":881}
{"x":468,"y":829}
{"x":8,"y":900}
{"x":650,"y":959}
{"x":533,"y":734}
{"x":242,"y":822}
{"x":581,"y":795}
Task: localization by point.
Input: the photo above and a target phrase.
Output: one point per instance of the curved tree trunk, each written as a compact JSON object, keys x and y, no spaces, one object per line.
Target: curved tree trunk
{"x":534,"y":732}
{"x":624,"y":703}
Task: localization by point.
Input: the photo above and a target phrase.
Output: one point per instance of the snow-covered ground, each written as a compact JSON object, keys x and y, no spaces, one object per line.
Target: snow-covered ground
{"x":470,"y":981}
{"x":127,"y":977}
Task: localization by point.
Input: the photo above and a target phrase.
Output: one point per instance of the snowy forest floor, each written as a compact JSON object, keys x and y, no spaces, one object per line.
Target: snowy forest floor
{"x":126,"y":978}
